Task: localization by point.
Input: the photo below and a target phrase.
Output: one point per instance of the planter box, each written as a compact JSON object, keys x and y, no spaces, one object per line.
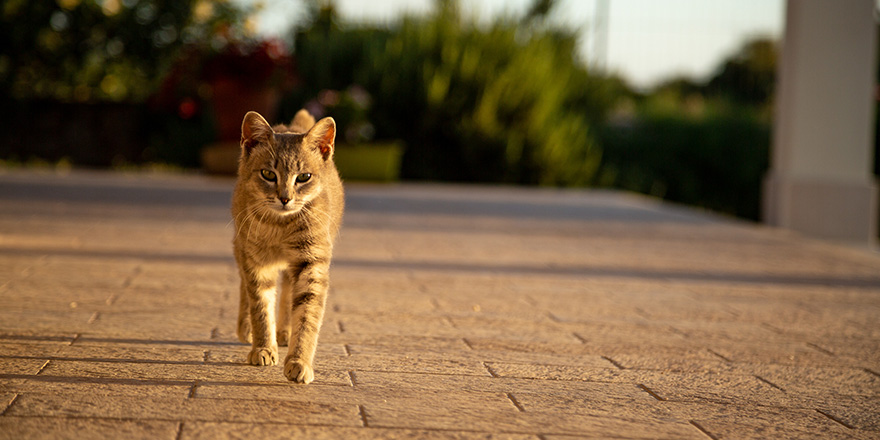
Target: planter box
{"x":376,"y":162}
{"x":221,"y":158}
{"x":366,"y":162}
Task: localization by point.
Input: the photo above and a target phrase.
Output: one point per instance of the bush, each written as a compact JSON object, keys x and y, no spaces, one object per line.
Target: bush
{"x":88,"y":51}
{"x":508,"y":102}
{"x":84,"y":76}
{"x":717,"y":161}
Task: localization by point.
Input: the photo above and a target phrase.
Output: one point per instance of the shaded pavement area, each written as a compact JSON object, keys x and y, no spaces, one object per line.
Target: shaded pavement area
{"x":455,"y":311}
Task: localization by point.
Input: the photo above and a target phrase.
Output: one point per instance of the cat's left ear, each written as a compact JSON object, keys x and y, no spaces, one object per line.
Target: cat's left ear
{"x":254,"y":130}
{"x":323,"y":137}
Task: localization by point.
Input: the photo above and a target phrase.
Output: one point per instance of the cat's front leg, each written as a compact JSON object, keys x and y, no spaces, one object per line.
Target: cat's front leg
{"x":261,"y":302}
{"x":243,"y":327}
{"x":285,"y":302}
{"x":306,"y":317}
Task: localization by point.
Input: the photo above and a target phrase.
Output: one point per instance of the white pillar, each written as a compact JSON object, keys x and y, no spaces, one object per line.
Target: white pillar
{"x":821,"y":181}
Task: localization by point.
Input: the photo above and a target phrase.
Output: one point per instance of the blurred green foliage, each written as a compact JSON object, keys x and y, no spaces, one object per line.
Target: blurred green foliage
{"x":101,"y":50}
{"x":510,"y":101}
{"x":703,"y":144}
{"x":506,"y":100}
{"x":503,"y":102}
{"x":716,"y":161}
{"x":87,"y":68}
{"x":749,"y":76}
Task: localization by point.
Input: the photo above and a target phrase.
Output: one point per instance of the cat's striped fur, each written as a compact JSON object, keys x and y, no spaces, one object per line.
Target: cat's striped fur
{"x":287,"y":208}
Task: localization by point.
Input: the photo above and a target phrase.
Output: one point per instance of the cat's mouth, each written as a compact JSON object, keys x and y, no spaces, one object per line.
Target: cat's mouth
{"x":285,"y":209}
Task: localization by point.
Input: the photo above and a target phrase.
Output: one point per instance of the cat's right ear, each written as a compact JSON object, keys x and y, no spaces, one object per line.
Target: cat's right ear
{"x":254,"y":130}
{"x":302,"y":121}
{"x":323,"y":137}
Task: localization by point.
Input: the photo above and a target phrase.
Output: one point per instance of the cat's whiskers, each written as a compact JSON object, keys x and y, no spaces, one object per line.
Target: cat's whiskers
{"x":323,"y":219}
{"x":264,"y":213}
{"x":250,"y":219}
{"x":240,"y":219}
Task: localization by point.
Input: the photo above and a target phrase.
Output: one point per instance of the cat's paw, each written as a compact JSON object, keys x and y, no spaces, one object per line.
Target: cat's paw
{"x":283,"y":336}
{"x":297,"y":371}
{"x":263,"y":356}
{"x":244,"y":332}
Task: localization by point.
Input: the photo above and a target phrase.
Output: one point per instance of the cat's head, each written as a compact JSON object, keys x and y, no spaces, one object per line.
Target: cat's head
{"x":281,"y":172}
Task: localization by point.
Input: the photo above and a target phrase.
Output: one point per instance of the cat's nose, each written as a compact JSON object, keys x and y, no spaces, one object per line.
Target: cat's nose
{"x":284,"y":200}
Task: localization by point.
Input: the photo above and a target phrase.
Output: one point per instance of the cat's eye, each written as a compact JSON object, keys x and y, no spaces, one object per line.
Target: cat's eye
{"x":269,"y":175}
{"x":303,"y":178}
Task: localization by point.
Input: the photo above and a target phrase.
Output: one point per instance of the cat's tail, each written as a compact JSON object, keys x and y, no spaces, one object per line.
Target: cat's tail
{"x":302,"y":122}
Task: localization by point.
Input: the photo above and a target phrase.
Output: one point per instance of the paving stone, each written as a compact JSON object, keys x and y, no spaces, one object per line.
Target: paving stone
{"x":783,"y":427}
{"x":132,"y":388}
{"x":857,"y":412}
{"x":710,"y":387}
{"x":454,"y":312}
{"x":695,"y":361}
{"x":420,"y":382}
{"x":570,"y":348}
{"x":601,"y":370}
{"x":864,"y":350}
{"x":411,"y":363}
{"x":317,"y":392}
{"x":31,"y":319}
{"x":108,"y":352}
{"x":505,"y":421}
{"x":461,"y":349}
{"x":152,"y":342}
{"x":19,"y":366}
{"x":398,"y":324}
{"x":736,"y":421}
{"x":624,"y":400}
{"x":188,"y":372}
{"x":360,"y":291}
{"x":156,"y":324}
{"x":817,"y":380}
{"x":708,"y":332}
{"x":365,"y":396}
{"x":546,"y":396}
{"x":785,"y":353}
{"x":80,"y":274}
{"x":12,"y":427}
{"x":22,"y":349}
{"x":173,"y":409}
{"x":45,"y":340}
{"x":236,"y":353}
{"x":398,"y":343}
{"x":517,"y":329}
{"x":6,"y":400}
{"x":332,"y":357}
{"x":269,"y":431}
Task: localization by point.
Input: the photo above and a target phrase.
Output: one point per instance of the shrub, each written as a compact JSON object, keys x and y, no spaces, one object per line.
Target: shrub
{"x":506,"y":102}
{"x":716,"y":161}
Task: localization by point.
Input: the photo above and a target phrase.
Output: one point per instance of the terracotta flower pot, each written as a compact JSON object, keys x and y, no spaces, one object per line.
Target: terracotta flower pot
{"x":231,"y":99}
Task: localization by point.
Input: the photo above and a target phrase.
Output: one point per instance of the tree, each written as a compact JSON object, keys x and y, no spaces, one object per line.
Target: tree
{"x":749,"y":76}
{"x":113,"y":50}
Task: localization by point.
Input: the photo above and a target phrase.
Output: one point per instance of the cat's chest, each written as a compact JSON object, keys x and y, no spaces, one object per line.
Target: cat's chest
{"x":282,"y":243}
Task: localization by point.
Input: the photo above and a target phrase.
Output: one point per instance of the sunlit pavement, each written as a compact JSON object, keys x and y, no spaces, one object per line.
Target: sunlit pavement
{"x":455,"y":311}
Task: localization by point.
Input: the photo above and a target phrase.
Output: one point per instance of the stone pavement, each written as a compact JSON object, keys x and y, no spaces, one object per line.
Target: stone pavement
{"x":455,"y":312}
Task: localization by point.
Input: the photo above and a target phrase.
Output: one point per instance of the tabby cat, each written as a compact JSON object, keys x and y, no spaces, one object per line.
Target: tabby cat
{"x":287,"y":207}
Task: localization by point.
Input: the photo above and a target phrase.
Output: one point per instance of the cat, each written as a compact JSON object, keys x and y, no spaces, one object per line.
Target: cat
{"x":287,"y":208}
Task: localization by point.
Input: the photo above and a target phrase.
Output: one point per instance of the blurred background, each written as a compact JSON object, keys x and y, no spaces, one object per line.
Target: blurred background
{"x":672,"y":99}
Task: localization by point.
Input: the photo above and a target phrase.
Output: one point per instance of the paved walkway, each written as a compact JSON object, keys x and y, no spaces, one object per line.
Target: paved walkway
{"x":462,"y":312}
